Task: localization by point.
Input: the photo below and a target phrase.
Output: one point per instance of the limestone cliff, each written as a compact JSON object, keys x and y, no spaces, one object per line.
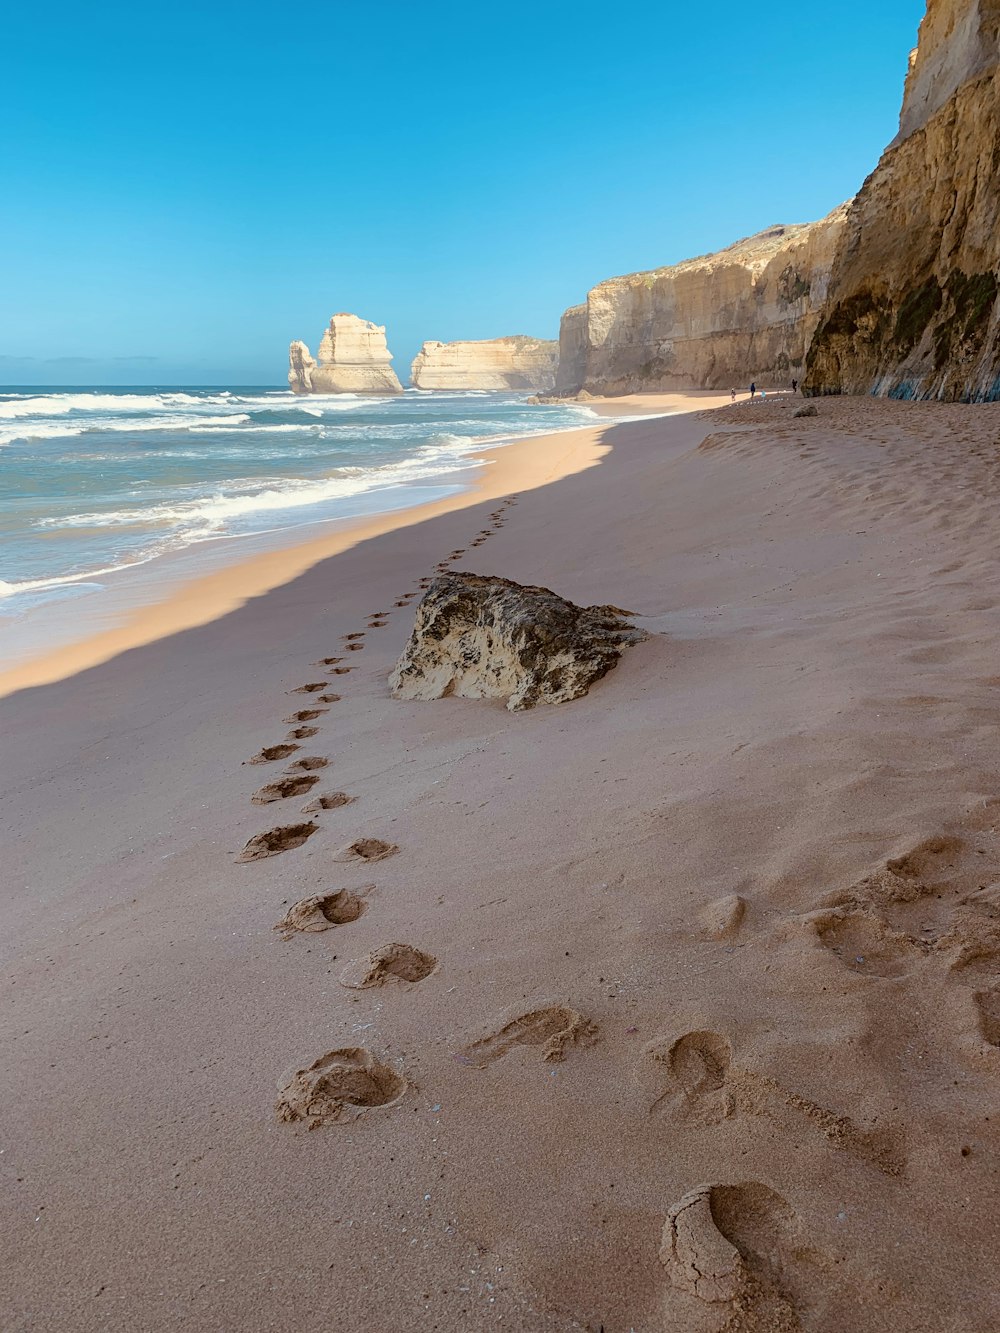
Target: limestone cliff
{"x":495,"y":363}
{"x":353,"y":358}
{"x":914,"y":308}
{"x":724,"y":319}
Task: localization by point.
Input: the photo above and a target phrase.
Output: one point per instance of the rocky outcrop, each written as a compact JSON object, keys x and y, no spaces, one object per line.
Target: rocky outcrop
{"x":746,"y":313}
{"x":516,"y":363}
{"x":914,"y":309}
{"x":353,"y":358}
{"x":489,"y":638}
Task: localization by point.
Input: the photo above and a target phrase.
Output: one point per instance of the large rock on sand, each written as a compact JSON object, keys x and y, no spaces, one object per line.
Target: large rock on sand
{"x":489,"y":638}
{"x":353,"y":358}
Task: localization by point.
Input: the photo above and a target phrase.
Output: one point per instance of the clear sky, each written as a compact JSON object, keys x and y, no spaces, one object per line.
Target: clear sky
{"x":186,"y":187}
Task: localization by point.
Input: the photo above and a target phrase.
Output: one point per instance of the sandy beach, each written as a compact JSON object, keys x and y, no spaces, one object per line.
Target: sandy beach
{"x":751,"y":883}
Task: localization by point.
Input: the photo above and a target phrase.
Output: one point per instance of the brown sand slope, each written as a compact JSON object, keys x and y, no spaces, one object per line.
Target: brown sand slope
{"x":580,"y":1093}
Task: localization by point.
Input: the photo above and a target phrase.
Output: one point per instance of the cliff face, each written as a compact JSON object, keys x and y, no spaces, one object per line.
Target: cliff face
{"x":353,"y":358}
{"x":495,"y":363}
{"x":914,"y":308}
{"x":745,"y":313}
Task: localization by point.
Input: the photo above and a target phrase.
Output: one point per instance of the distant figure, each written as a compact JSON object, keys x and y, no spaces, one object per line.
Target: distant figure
{"x":734,"y":395}
{"x":763,"y":394}
{"x":795,"y":386}
{"x":753,"y":390}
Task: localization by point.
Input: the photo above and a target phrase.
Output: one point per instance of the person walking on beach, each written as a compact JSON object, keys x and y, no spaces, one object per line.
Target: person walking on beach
{"x":795,"y":386}
{"x":753,"y":391}
{"x":734,"y":395}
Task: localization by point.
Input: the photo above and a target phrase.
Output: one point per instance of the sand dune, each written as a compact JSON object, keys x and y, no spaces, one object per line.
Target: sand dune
{"x":676,"y":1007}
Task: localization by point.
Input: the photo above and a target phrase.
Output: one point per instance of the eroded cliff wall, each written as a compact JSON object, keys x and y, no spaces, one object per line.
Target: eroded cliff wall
{"x":516,"y":363}
{"x":914,"y":308}
{"x":353,"y":358}
{"x":746,"y":313}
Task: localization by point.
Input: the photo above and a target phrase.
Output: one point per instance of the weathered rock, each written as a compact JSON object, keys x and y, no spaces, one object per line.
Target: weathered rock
{"x":517,"y":363}
{"x":746,"y":313}
{"x":914,"y":295}
{"x":489,"y":638}
{"x":809,"y":411}
{"x":353,"y":358}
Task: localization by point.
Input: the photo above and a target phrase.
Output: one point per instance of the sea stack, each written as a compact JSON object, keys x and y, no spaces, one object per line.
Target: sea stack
{"x":353,"y":358}
{"x":516,"y":363}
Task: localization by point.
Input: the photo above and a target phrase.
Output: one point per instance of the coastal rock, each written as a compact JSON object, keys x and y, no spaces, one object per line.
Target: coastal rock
{"x":514,"y":363}
{"x":353,"y":358}
{"x":746,"y":313}
{"x":914,"y":295}
{"x":489,"y":638}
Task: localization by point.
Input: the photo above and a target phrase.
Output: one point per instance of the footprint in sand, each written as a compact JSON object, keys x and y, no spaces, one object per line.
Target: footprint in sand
{"x":281,"y":791}
{"x":704,"y":1088}
{"x":863,"y":943}
{"x":744,"y":1246}
{"x":323,"y":911}
{"x":309,"y":764}
{"x":328,"y":661}
{"x":329,"y":698}
{"x":393,"y":962}
{"x":277,"y":840}
{"x":555,"y":1029}
{"x":312,"y":688}
{"x":272,"y":752}
{"x":401,"y":602}
{"x":697,"y":1065}
{"x":377,"y":624}
{"x":340,"y":671}
{"x":303,"y":733}
{"x":305,"y":715}
{"x":338,"y":1087}
{"x":366,"y":849}
{"x":349,"y":638}
{"x":332,"y":800}
{"x":355,"y":647}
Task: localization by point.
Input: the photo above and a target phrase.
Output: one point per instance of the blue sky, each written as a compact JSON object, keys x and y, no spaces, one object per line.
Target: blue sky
{"x":188,"y":187}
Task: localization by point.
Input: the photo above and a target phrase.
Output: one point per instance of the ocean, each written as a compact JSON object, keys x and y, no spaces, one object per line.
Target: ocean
{"x":96,"y":481}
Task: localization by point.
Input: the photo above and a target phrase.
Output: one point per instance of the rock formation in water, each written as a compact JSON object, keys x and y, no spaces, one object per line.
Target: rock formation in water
{"x":914,"y":308}
{"x":517,"y":363}
{"x":745,"y":313}
{"x":489,"y":638}
{"x":353,"y":358}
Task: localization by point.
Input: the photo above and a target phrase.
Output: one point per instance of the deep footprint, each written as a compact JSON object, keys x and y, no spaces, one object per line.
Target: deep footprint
{"x":330,"y":801}
{"x":323,"y":911}
{"x":554,"y":1029}
{"x":303,"y":733}
{"x":698,"y":1064}
{"x":329,"y":698}
{"x":311,"y":688}
{"x":309,"y":764}
{"x":367,"y":849}
{"x":281,"y":791}
{"x":401,"y":962}
{"x":339,"y":1086}
{"x":272,"y":752}
{"x":277,"y":840}
{"x":328,"y":661}
{"x":304,"y":715}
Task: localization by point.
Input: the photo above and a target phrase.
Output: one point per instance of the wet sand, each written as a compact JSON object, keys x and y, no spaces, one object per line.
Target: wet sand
{"x":746,"y":895}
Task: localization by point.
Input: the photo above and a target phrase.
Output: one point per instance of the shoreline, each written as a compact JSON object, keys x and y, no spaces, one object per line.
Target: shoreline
{"x":197,"y":599}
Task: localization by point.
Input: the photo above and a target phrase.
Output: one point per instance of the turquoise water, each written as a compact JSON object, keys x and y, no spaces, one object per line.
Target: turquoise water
{"x":93,"y":481}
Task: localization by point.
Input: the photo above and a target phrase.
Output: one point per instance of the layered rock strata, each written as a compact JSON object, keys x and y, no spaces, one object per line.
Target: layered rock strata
{"x":489,"y":638}
{"x":745,"y":313}
{"x":914,"y":309}
{"x":353,"y":358}
{"x":516,"y":363}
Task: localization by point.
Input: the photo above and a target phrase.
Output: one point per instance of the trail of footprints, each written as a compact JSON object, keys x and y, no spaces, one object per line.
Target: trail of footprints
{"x":345,"y":1082}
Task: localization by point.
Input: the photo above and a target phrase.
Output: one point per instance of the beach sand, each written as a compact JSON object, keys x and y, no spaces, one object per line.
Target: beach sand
{"x":759,"y":861}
